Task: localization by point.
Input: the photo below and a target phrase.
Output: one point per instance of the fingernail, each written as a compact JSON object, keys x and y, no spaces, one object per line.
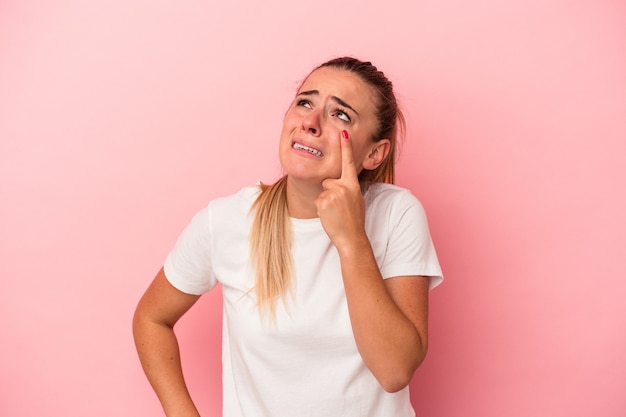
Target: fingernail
{"x":344,"y":134}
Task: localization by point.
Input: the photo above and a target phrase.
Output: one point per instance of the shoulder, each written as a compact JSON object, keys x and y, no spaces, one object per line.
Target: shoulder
{"x":383,"y":196}
{"x":228,"y":209}
{"x":389,"y":206}
{"x":242,"y":199}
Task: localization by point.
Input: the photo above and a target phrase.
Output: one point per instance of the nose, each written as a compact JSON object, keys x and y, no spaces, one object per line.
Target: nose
{"x":311,"y":123}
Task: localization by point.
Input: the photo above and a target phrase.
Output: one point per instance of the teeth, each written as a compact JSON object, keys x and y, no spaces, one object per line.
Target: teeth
{"x":309,"y":150}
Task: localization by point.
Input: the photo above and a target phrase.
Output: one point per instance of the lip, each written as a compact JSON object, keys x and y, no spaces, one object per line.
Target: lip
{"x":308,"y":145}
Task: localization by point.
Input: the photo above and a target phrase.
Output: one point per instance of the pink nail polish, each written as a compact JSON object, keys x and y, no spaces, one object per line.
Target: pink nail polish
{"x":344,"y":134}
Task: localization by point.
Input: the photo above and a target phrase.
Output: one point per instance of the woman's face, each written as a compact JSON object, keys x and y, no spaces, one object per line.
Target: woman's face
{"x":330,"y":100}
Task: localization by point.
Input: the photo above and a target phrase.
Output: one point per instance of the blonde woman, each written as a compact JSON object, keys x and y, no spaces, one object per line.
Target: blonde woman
{"x":325,"y":274}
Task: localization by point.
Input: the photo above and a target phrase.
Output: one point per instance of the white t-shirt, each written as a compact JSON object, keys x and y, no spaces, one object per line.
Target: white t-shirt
{"x":307,"y":362}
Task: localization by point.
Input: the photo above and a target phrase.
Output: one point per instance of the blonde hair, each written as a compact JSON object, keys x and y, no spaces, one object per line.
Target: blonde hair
{"x":270,"y":245}
{"x":270,"y":238}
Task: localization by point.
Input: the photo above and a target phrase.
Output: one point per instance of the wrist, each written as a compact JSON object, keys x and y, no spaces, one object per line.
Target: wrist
{"x":355,"y":247}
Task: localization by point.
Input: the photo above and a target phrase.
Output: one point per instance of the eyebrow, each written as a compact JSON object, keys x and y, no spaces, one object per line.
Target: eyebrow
{"x":335,"y":98}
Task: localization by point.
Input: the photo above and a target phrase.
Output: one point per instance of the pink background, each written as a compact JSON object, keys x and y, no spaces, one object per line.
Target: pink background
{"x":120,"y":119}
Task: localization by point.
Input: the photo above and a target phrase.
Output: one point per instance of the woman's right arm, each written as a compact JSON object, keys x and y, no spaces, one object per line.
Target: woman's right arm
{"x":153,"y":328}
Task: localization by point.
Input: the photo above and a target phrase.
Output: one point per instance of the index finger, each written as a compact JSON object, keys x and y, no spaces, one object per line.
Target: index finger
{"x":348,"y":169}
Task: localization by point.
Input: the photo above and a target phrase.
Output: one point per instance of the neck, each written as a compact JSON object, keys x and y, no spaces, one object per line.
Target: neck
{"x":301,"y":198}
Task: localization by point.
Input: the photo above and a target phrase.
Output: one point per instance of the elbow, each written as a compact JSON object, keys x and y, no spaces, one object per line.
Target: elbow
{"x":398,"y":378}
{"x":138,"y":326}
{"x":395,"y":381}
{"x":395,"y":385}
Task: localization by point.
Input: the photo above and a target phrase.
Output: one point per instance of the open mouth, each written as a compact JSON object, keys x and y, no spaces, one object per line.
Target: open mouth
{"x":312,"y":151}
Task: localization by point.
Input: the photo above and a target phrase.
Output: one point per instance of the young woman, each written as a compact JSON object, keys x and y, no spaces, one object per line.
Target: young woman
{"x":325,"y":274}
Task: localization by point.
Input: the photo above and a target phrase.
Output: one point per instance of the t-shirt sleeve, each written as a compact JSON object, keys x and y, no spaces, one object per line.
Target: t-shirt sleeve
{"x":410,"y":249}
{"x":188,"y":266}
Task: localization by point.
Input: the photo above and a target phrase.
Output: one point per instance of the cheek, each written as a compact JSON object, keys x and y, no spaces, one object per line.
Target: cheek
{"x":359,"y":153}
{"x":290,"y":122}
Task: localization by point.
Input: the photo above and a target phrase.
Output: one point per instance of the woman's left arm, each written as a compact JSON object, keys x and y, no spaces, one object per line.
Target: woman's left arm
{"x":389,"y":317}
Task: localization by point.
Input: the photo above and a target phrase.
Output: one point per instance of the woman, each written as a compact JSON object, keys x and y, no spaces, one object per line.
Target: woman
{"x":325,"y":274}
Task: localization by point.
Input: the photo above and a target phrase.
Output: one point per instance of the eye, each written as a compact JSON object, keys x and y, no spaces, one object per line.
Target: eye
{"x":342,"y":115}
{"x":303,"y":103}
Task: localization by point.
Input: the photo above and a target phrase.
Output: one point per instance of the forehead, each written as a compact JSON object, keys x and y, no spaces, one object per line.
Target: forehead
{"x":341,"y":83}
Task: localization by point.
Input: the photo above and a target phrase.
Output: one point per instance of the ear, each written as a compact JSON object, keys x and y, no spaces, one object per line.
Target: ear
{"x":377,"y":154}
